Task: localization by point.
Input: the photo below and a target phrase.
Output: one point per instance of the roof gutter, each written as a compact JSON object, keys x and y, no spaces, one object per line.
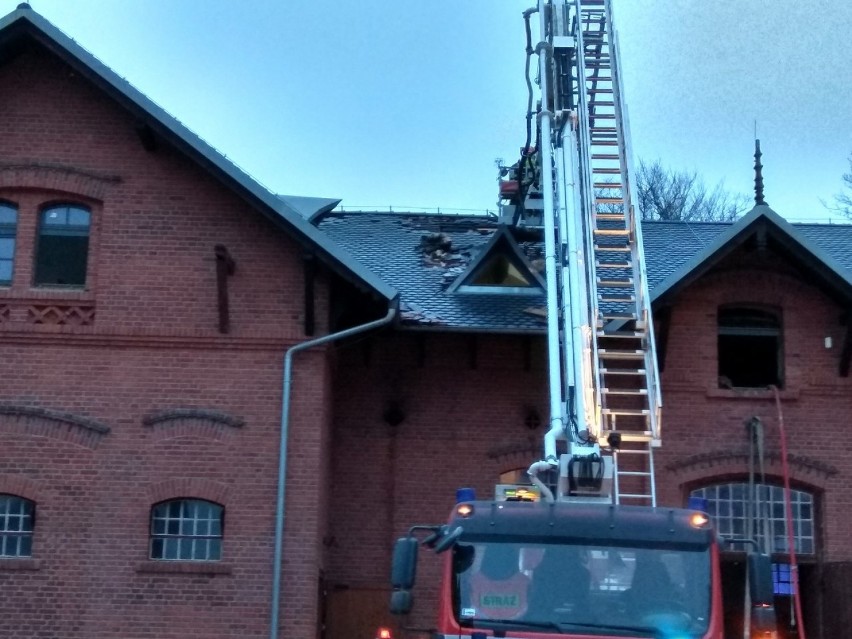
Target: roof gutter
{"x":282,"y":459}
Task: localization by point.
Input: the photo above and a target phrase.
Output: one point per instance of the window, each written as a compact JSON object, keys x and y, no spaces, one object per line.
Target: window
{"x":16,"y":526}
{"x":186,"y":529}
{"x":8,"y":224}
{"x":63,"y":246}
{"x":749,"y":348}
{"x":727,"y":505}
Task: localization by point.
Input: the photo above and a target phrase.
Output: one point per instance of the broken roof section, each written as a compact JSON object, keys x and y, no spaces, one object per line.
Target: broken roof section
{"x":424,"y":255}
{"x":24,"y":26}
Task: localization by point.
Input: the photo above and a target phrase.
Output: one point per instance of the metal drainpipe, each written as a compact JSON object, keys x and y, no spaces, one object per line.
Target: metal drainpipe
{"x":282,"y":460}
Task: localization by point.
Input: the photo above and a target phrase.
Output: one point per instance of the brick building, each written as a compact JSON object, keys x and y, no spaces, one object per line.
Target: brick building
{"x":149,"y":291}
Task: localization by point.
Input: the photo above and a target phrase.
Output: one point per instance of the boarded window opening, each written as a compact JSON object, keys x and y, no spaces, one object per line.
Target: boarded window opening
{"x":63,"y":246}
{"x":749,"y":348}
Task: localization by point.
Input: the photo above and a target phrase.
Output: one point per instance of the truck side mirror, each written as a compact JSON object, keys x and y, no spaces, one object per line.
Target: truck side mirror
{"x":403,"y":574}
{"x":760,"y":584}
{"x":404,"y":565}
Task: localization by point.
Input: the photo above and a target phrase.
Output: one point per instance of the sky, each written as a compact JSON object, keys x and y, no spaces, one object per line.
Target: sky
{"x":407,"y":103}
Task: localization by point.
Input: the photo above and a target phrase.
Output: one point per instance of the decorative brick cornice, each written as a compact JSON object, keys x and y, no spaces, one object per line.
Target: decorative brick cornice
{"x":56,"y":177}
{"x":34,"y":420}
{"x":189,"y":487}
{"x":181,"y":422}
{"x":726,"y":461}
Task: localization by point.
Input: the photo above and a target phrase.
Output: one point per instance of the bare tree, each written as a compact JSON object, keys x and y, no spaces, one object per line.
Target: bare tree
{"x":843,"y":201}
{"x":664,"y":194}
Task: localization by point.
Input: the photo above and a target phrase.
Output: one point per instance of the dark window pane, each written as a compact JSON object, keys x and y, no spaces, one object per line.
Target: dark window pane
{"x":62,"y":260}
{"x":157,"y":549}
{"x":158,"y":527}
{"x":171,"y":549}
{"x":26,"y":546}
{"x":173,"y":527}
{"x":215,"y":551}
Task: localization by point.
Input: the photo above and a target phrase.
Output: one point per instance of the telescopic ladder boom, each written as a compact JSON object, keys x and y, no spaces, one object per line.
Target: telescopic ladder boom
{"x":605,"y":397}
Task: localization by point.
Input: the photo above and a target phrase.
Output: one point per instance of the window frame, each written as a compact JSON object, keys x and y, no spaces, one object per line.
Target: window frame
{"x":9,"y":230}
{"x":744,"y":331}
{"x":182,"y":519}
{"x":805,"y":528}
{"x":23,"y":536}
{"x":61,"y":230}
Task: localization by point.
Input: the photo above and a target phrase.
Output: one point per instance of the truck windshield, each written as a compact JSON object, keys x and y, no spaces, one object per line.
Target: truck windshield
{"x":596,"y":590}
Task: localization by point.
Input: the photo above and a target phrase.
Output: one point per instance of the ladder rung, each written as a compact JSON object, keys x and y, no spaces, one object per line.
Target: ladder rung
{"x":626,"y":412}
{"x":634,"y":496}
{"x":604,"y":142}
{"x":606,"y":156}
{"x":608,"y":185}
{"x":623,"y":248}
{"x":599,"y":90}
{"x":622,"y":371}
{"x":638,"y":392}
{"x":633,"y":473}
{"x":609,"y":200}
{"x":616,"y":232}
{"x":604,"y":129}
{"x":622,"y":335}
{"x":599,"y":264}
{"x":608,"y":169}
{"x":604,"y":103}
{"x":605,"y":353}
{"x":628,"y":281}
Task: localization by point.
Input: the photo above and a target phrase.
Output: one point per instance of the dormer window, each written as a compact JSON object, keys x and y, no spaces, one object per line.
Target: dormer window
{"x":63,"y":246}
{"x":500,"y":268}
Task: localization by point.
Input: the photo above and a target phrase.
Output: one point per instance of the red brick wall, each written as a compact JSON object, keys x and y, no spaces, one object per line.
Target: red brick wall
{"x":152,"y":346}
{"x":459,"y":424}
{"x":700,"y":419}
{"x":458,"y":419}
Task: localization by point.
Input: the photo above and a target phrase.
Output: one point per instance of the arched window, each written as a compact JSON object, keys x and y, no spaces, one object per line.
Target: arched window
{"x":8,"y":229}
{"x":63,"y":246}
{"x":186,"y":529}
{"x":727,"y":505}
{"x":17,"y":516}
{"x":749,"y":347}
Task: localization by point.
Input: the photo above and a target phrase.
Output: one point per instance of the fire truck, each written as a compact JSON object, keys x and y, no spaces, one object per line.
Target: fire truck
{"x":584,"y":550}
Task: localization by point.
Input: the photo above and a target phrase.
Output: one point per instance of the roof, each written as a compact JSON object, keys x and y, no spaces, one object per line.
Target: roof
{"x":422,"y":255}
{"x":405,"y":249}
{"x":829,"y":272}
{"x":287,"y":213}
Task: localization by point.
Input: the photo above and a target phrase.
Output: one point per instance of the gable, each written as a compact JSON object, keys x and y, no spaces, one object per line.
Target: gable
{"x":23,"y":30}
{"x":750,"y":241}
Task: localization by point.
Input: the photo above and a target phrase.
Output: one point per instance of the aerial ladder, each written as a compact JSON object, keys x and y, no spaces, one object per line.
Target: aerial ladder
{"x":597,"y":472}
{"x":576,"y":181}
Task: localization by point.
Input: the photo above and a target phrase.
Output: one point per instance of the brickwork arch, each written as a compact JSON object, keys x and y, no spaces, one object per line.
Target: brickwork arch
{"x":706,"y":468}
{"x":20,"y":486}
{"x":192,"y":422}
{"x":42,"y":422}
{"x":57,"y":177}
{"x":199,"y":488}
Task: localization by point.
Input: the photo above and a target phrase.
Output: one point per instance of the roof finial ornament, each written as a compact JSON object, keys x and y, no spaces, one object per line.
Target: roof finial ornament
{"x":758,"y":175}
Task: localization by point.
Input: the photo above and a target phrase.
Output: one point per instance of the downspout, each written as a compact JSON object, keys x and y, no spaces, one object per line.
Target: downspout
{"x":282,"y":459}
